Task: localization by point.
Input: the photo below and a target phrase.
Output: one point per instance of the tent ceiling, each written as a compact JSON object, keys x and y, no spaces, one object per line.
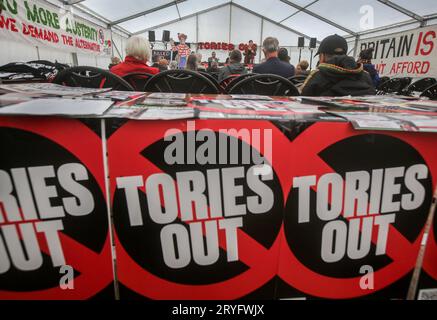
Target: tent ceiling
{"x":315,"y":18}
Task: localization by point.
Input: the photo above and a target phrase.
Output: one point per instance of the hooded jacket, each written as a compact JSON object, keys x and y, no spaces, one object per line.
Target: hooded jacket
{"x":340,"y":76}
{"x":234,"y":68}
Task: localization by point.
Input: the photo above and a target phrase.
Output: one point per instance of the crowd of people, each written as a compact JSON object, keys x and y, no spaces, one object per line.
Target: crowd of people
{"x":337,"y":74}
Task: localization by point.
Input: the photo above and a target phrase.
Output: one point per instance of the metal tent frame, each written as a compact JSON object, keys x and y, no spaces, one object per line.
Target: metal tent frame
{"x":350,"y":34}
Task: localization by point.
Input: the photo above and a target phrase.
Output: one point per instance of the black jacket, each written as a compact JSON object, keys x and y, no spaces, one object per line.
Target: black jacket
{"x":235,"y":68}
{"x":340,"y":76}
{"x":275,"y":66}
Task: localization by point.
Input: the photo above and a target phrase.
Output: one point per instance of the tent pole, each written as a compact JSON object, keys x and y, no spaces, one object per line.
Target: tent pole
{"x":357,"y":38}
{"x":261,"y":40}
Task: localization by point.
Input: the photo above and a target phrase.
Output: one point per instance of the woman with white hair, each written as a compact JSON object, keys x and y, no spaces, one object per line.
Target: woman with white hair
{"x":138,"y":53}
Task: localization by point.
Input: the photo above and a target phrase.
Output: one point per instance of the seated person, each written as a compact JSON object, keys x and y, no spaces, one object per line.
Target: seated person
{"x":212,"y":59}
{"x":155,"y":61}
{"x":114,"y":62}
{"x":234,"y":67}
{"x":163,"y":64}
{"x":283,"y":55}
{"x":366,"y":60}
{"x":213,"y":68}
{"x":273,"y":65}
{"x":138,"y":52}
{"x":191,"y":62}
{"x":337,"y":73}
{"x":200,"y":66}
{"x":302,"y":68}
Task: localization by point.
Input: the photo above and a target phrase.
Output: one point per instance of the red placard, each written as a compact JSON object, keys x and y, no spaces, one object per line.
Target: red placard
{"x":63,"y":159}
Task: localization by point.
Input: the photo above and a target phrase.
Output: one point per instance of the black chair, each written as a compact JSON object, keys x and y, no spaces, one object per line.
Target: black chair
{"x":382,"y":80}
{"x":265,"y":84}
{"x":233,"y":80}
{"x":181,"y":81}
{"x":298,"y":79}
{"x":212,"y":78}
{"x":395,"y":85}
{"x":91,"y":77}
{"x":20,"y":68}
{"x":138,"y":80}
{"x":419,"y":86}
{"x":430,"y":92}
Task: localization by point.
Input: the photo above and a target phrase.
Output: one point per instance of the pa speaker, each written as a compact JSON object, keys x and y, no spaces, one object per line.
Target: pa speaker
{"x":301,"y":42}
{"x":313,"y":43}
{"x":152,"y":36}
{"x":166,"y":36}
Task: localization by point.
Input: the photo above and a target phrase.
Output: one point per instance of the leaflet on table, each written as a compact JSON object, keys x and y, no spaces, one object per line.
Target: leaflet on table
{"x":123,"y":112}
{"x":64,"y":107}
{"x":141,"y":112}
{"x":16,"y":97}
{"x":390,"y":121}
{"x":116,"y":95}
{"x":51,"y":89}
{"x":203,"y":114}
{"x":161,"y":102}
{"x":250,"y":97}
{"x":425,"y":103}
{"x":165,"y":95}
{"x":167,"y":113}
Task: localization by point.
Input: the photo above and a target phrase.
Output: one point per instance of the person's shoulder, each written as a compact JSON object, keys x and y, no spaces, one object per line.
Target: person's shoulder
{"x":152,"y":70}
{"x":259,"y":66}
{"x":311,"y":80}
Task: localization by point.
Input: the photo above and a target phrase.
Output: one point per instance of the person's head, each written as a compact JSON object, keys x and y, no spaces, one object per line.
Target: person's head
{"x":214,"y":65}
{"x":302,"y":66}
{"x":332,"y":46}
{"x":115,"y":60}
{"x":182,"y":38}
{"x":283,"y":55}
{"x":235,"y":56}
{"x":199,"y":57}
{"x":270,"y":47}
{"x":213,"y":54}
{"x":250,"y":42}
{"x":139,"y":48}
{"x":366,"y":55}
{"x":155,"y":59}
{"x":173,"y":65}
{"x":163,"y":63}
{"x":191,"y":62}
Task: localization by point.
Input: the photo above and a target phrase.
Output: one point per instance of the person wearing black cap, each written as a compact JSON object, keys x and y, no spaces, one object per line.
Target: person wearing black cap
{"x":337,"y":73}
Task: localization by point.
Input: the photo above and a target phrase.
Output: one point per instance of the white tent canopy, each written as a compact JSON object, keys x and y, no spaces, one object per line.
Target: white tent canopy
{"x":314,"y":18}
{"x":238,"y":21}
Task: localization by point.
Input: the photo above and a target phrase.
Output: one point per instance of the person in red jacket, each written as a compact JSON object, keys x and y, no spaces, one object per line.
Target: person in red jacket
{"x":138,"y":53}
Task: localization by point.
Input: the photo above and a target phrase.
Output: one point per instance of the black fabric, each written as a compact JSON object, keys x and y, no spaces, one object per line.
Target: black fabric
{"x":275,"y":66}
{"x":349,"y":79}
{"x":235,"y":68}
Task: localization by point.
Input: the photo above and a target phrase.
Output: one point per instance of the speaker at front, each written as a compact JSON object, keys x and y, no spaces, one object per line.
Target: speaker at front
{"x":152,"y":36}
{"x":313,"y":43}
{"x":166,"y":36}
{"x":301,"y":42}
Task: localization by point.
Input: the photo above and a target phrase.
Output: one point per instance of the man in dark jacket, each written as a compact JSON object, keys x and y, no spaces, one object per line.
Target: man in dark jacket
{"x":235,"y":66}
{"x":337,"y":73}
{"x":273,"y":65}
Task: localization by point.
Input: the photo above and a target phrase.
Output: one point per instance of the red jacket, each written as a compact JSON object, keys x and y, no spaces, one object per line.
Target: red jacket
{"x":131,"y":65}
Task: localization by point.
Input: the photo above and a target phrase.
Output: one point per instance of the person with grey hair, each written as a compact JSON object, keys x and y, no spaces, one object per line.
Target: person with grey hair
{"x":273,"y":65}
{"x":138,"y":54}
